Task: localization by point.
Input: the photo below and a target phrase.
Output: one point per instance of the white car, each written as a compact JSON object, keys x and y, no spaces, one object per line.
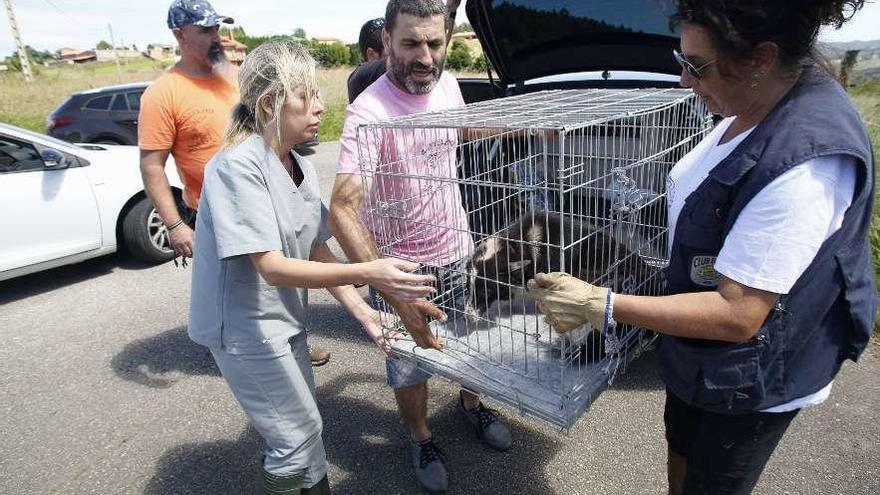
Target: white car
{"x":64,"y":203}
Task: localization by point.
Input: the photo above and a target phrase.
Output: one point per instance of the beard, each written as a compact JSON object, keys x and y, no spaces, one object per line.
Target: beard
{"x":216,"y":55}
{"x":402,"y":73}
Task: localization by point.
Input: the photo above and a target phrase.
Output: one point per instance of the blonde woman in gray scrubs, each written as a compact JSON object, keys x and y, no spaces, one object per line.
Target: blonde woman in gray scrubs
{"x":260,"y":247}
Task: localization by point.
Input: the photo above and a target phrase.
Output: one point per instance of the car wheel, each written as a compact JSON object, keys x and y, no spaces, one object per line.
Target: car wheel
{"x":145,"y":234}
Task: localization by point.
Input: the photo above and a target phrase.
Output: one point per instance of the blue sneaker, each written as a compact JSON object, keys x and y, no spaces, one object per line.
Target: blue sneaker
{"x":428,"y":461}
{"x":485,"y":421}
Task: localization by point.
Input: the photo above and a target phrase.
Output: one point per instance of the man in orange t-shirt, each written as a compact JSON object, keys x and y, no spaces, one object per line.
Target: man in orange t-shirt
{"x":184,"y":113}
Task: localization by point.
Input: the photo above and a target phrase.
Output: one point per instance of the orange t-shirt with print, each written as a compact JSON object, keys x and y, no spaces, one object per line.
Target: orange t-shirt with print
{"x":189,"y":117}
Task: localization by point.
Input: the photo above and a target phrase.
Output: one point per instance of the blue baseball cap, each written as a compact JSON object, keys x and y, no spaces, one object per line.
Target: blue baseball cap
{"x":197,"y":12}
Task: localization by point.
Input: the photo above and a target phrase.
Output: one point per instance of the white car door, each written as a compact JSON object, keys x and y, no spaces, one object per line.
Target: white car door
{"x":48,"y":207}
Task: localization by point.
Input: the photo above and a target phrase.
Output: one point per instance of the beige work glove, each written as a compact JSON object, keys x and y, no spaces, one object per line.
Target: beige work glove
{"x":568,"y":302}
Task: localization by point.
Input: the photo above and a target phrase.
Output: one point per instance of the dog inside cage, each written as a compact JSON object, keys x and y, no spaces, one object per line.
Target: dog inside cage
{"x":488,"y":195}
{"x":502,"y":263}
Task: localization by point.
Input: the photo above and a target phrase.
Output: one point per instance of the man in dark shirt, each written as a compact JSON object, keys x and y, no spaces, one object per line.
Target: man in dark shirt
{"x":372,"y":53}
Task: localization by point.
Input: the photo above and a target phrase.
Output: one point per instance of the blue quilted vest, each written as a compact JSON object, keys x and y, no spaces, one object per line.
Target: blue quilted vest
{"x":828,"y":316}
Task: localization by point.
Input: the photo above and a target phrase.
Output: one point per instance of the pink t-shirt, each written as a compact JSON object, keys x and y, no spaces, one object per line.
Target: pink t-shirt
{"x":413,"y":209}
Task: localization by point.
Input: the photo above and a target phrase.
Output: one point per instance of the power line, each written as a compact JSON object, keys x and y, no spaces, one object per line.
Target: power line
{"x":59,"y":9}
{"x":81,"y":25}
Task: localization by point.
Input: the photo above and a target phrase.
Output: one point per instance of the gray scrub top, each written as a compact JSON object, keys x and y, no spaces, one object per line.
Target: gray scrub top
{"x":250,"y":204}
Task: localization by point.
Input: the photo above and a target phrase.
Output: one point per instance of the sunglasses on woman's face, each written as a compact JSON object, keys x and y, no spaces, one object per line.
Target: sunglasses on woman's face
{"x":694,"y":71}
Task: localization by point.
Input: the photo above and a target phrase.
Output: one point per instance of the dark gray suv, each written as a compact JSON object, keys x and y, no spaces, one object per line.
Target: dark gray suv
{"x":106,"y":115}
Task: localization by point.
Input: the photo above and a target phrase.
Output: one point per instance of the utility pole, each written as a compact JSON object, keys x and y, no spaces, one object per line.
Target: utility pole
{"x":115,"y":53}
{"x":22,"y":53}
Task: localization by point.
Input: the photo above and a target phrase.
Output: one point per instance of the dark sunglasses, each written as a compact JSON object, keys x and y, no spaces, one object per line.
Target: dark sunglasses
{"x":694,"y":71}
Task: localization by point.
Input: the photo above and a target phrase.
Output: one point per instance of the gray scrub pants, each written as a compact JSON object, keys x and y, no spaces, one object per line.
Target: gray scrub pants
{"x":276,"y":390}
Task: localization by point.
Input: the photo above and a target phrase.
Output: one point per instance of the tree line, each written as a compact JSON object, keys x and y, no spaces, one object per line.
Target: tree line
{"x":335,"y":54}
{"x":339,"y":54}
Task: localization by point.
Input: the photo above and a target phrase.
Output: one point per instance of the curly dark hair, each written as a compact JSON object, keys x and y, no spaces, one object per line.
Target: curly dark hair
{"x":737,"y":26}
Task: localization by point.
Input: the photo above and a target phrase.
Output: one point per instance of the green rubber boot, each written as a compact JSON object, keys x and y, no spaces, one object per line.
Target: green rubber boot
{"x":290,"y":484}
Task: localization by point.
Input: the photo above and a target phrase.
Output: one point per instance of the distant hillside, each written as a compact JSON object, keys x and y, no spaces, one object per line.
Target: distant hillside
{"x":868,"y":65}
{"x":867,"y":49}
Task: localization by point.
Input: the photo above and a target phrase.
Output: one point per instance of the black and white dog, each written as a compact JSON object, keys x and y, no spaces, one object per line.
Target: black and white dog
{"x":512,"y":256}
{"x":504,"y":262}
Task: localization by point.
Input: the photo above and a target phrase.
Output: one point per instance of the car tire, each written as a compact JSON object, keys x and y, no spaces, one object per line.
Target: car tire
{"x":145,"y":235}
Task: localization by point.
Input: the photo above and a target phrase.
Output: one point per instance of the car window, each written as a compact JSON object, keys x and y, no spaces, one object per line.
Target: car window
{"x":134,"y":100}
{"x":99,"y":103}
{"x":119,"y":103}
{"x":42,"y":139}
{"x":18,"y":156}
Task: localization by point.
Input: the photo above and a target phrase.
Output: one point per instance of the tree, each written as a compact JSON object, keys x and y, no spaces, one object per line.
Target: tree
{"x":299,"y":33}
{"x":459,"y":57}
{"x":103,"y":45}
{"x":330,"y":54}
{"x":239,"y":33}
{"x":35,"y":57}
{"x":464,"y":27}
{"x":850,"y":58}
{"x":354,"y":55}
{"x":481,"y":63}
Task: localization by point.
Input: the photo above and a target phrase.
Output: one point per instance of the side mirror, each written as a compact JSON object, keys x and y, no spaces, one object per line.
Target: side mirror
{"x":53,"y":159}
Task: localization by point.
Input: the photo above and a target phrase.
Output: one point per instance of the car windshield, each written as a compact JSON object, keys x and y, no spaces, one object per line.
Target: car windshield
{"x":523,"y":25}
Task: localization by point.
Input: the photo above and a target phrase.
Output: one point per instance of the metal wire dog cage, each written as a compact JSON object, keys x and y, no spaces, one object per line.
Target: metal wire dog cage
{"x":485,"y":196}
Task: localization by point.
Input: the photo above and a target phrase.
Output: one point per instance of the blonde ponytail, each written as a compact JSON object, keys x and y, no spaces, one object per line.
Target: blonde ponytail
{"x":273,"y":70}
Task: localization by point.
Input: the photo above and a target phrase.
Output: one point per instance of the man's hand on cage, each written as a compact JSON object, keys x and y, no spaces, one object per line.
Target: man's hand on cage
{"x":569,"y":302}
{"x":415,"y":315}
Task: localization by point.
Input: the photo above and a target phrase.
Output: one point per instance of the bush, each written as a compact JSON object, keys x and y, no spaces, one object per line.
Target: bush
{"x":481,"y":63}
{"x":354,"y":55}
{"x":330,"y":55}
{"x":459,"y":57}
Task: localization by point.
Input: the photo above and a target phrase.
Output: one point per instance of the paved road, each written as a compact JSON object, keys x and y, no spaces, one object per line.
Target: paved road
{"x":102,"y":392}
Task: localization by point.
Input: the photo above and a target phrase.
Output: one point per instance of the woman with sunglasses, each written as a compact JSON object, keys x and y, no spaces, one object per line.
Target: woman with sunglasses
{"x":770,"y":282}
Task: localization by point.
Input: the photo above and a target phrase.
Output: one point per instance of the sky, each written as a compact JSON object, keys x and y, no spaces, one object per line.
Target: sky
{"x":53,"y":24}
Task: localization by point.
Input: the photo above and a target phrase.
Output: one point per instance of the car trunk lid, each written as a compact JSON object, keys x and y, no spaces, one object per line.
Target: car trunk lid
{"x":527,"y":39}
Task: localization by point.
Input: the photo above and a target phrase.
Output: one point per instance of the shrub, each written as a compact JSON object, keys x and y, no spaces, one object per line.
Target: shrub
{"x":459,"y":57}
{"x":481,"y":63}
{"x":330,"y":55}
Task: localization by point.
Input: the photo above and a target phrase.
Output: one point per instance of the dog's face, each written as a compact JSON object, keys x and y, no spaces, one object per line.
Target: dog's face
{"x":496,"y":267}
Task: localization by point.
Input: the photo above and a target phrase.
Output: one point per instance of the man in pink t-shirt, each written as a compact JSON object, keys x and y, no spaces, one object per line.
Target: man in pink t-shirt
{"x":408,"y":174}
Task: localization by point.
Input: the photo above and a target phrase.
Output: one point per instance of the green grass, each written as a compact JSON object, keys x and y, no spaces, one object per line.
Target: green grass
{"x":866,"y":97}
{"x":27,"y":104}
{"x":333,"y":84}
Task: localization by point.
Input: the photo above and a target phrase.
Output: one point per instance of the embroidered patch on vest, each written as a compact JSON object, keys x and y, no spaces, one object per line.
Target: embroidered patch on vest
{"x":703,"y":271}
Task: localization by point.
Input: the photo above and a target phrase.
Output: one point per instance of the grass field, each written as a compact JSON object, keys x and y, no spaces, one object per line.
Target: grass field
{"x":27,"y":104}
{"x":866,"y":96}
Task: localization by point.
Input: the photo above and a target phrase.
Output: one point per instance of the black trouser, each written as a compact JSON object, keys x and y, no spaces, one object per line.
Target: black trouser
{"x":189,"y":216}
{"x":725,"y":453}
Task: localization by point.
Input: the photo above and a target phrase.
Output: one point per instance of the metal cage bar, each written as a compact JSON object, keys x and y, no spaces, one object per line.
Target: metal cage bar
{"x":486,"y":195}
